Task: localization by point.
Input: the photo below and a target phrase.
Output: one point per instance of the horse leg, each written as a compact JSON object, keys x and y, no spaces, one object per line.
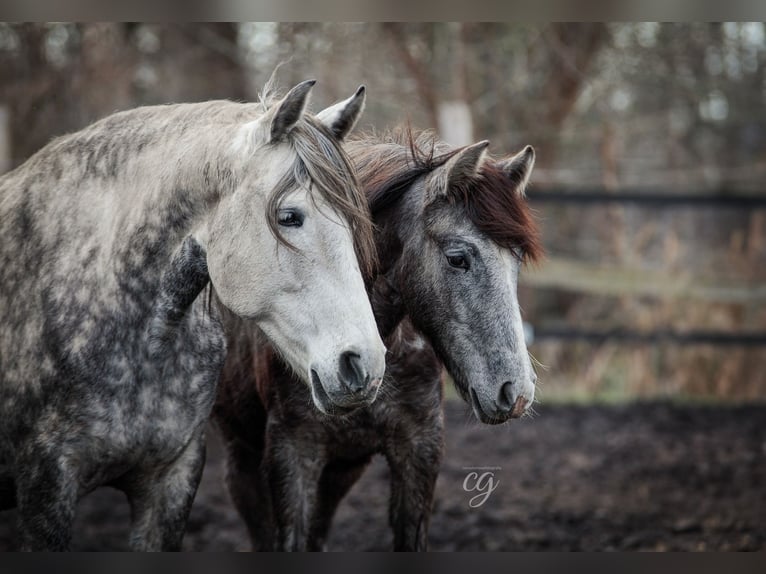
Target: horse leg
{"x":46,"y":496}
{"x":337,"y":479}
{"x":249,"y":493}
{"x":7,"y":489}
{"x":293,"y":469}
{"x":414,"y":470}
{"x":161,"y":499}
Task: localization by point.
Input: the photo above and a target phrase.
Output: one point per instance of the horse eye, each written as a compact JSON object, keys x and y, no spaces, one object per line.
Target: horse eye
{"x":290,"y":218}
{"x":458,"y":261}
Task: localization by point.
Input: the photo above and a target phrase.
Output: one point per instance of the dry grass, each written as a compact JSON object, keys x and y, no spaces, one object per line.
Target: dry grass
{"x":618,"y":372}
{"x":648,"y":272}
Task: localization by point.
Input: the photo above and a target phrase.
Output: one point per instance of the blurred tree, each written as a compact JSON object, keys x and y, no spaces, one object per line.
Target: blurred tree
{"x":56,"y":78}
{"x":454,"y":65}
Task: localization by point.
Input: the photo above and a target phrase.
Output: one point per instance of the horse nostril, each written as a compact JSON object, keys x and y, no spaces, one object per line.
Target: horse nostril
{"x":506,"y":399}
{"x":352,"y":372}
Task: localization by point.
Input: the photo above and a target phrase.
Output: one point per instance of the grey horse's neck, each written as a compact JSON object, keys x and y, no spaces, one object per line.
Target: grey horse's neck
{"x":154,"y":161}
{"x":130,"y":187}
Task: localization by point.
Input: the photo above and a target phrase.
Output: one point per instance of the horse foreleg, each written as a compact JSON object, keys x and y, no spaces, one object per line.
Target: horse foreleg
{"x":414,"y":470}
{"x":293,"y":470}
{"x":337,"y":479}
{"x":161,"y":499}
{"x":7,"y":489}
{"x":46,"y":496}
{"x":249,"y":493}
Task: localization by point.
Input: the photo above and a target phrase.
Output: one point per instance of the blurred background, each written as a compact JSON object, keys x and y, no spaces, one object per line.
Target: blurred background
{"x":651,"y":146}
{"x":648,"y":312}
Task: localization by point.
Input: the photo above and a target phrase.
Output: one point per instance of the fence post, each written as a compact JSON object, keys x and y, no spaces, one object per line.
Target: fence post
{"x":5,"y":139}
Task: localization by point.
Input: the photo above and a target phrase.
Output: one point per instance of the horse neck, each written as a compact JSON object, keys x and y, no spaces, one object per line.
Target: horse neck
{"x":167,"y":191}
{"x":395,"y":324}
{"x":391,"y":225}
{"x":194,"y":177}
{"x":394,"y":224}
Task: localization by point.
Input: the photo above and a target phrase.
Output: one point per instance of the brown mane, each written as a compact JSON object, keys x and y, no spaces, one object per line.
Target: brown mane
{"x":387,"y":166}
{"x":497,"y":209}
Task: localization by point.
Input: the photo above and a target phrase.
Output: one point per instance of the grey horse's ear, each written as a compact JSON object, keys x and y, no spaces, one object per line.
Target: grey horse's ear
{"x":519,"y":168}
{"x":340,"y":118}
{"x":288,"y":111}
{"x":465,"y":164}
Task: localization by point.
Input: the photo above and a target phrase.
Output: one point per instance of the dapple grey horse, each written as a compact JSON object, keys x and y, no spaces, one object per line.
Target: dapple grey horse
{"x":126,"y":248}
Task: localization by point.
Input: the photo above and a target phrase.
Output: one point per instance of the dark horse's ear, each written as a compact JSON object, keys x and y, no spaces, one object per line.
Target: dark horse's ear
{"x":288,"y":111}
{"x":519,"y":168}
{"x":458,"y":171}
{"x":342,"y":117}
{"x":465,"y":164}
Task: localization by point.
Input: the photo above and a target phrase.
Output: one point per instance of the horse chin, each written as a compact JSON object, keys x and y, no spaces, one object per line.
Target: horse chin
{"x":469,"y":396}
{"x":324,"y":402}
{"x":493,"y":419}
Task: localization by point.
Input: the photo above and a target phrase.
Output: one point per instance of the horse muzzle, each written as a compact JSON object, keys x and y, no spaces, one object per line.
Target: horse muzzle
{"x":512,"y":402}
{"x":354,"y":383}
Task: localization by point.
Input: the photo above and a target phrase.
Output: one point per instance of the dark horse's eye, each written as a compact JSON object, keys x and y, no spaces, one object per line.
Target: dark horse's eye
{"x":290,"y":218}
{"x":458,"y":261}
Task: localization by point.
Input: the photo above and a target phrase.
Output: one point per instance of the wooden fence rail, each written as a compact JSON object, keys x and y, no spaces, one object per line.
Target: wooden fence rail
{"x":603,"y":280}
{"x":655,"y":199}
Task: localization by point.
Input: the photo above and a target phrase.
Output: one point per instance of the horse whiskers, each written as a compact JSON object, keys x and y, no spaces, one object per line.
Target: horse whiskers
{"x":531,"y":413}
{"x":536,"y":362}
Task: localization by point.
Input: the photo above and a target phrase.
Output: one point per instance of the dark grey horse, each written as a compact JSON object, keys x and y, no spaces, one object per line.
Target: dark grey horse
{"x":453,"y":231}
{"x":122,"y":246}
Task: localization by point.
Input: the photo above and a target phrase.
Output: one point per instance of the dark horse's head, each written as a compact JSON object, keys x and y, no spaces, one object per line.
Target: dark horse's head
{"x":456,"y":230}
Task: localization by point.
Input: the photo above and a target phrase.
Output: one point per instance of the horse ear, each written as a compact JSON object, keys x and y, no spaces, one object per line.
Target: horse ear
{"x":342,"y":117}
{"x":519,"y":168}
{"x":465,"y":164}
{"x":461,"y":168}
{"x":288,"y":111}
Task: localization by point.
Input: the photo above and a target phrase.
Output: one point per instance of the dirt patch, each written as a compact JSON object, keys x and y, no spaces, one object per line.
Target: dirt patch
{"x":639,"y":477}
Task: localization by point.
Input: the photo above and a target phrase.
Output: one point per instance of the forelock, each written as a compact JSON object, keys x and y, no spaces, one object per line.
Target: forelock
{"x":324,"y":168}
{"x":495,"y":206}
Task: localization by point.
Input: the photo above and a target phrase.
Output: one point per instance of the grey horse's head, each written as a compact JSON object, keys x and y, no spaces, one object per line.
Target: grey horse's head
{"x":285,"y":247}
{"x":464,"y":230}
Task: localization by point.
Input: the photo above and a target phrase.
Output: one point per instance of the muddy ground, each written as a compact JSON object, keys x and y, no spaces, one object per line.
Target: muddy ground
{"x":639,"y":477}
